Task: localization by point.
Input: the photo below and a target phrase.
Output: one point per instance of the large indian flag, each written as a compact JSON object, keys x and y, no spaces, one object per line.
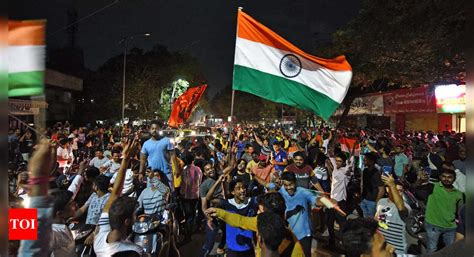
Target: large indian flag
{"x":270,"y":67}
{"x":26,"y":57}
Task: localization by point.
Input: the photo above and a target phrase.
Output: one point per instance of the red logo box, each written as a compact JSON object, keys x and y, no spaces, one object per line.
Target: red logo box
{"x":23,"y":224}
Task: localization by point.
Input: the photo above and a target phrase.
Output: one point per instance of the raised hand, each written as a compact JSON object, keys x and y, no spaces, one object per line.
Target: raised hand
{"x":388,"y":180}
{"x":42,"y":161}
{"x":130,"y":148}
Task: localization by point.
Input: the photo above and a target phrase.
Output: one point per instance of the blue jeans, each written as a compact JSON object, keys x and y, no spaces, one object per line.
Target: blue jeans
{"x":368,"y":208}
{"x":434,"y":232}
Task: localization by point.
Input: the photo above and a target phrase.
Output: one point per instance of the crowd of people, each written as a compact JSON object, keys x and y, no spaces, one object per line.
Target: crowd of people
{"x":252,"y":190}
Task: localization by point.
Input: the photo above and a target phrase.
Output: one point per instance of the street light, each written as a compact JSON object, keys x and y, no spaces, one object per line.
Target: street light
{"x":126,"y":41}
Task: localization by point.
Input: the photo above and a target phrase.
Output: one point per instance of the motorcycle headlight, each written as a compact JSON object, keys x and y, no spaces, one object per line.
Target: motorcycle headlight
{"x":141,"y":227}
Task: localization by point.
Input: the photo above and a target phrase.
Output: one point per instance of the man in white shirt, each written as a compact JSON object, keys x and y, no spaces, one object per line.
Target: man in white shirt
{"x":341,"y":172}
{"x":118,"y":216}
{"x":112,"y":166}
{"x":99,"y":159}
{"x":114,"y":227}
{"x":64,"y":153}
{"x":128,"y":188}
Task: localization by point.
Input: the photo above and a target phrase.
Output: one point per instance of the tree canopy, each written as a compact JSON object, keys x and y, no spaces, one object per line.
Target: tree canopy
{"x":147,"y":75}
{"x":403,"y":43}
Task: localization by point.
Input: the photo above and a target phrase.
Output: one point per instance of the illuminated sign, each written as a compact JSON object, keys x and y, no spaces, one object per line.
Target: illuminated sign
{"x":451,"y":98}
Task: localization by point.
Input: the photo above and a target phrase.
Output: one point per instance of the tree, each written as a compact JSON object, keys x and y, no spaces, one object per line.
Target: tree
{"x":404,"y":43}
{"x":147,"y":74}
{"x":247,"y":107}
{"x":169,"y":95}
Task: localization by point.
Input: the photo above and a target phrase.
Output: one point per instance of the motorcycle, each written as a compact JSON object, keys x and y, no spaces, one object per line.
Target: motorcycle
{"x":415,"y":222}
{"x":149,"y":231}
{"x":155,"y":233}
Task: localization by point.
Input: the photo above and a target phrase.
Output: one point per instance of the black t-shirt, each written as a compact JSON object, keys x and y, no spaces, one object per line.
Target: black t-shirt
{"x":371,"y":182}
{"x":244,"y":177}
{"x":312,"y":153}
{"x":422,"y":192}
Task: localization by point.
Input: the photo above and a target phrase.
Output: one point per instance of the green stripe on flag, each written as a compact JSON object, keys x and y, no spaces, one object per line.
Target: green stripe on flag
{"x":25,"y":83}
{"x":281,"y":90}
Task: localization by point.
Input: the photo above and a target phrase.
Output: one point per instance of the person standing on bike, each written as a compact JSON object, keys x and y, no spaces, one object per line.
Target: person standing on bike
{"x":156,"y":152}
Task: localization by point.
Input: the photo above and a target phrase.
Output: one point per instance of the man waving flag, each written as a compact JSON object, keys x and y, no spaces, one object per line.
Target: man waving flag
{"x":270,"y":67}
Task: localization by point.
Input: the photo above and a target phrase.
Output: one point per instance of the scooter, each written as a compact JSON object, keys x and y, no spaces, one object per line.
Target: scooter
{"x":148,"y":232}
{"x":155,"y":233}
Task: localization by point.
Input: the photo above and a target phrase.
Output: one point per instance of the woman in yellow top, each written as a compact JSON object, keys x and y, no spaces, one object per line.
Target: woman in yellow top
{"x":271,"y":202}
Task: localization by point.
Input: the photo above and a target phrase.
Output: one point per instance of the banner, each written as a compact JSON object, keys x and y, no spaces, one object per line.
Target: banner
{"x":415,"y":100}
{"x":184,"y":105}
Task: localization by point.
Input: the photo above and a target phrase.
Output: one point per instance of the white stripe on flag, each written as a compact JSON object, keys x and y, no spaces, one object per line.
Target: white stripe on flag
{"x":333,"y":84}
{"x":25,"y":58}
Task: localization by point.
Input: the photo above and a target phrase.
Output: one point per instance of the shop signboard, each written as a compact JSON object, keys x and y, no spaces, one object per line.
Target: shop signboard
{"x":450,"y":98}
{"x":415,"y":100}
{"x":370,"y":104}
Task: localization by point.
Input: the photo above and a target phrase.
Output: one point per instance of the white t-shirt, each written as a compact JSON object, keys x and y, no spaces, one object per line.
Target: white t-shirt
{"x":104,"y":249}
{"x":63,"y":244}
{"x":127,"y":183}
{"x":340,"y":179}
{"x":325,"y":145}
{"x":64,"y":153}
{"x":460,"y":182}
{"x":96,"y":162}
{"x":75,"y":185}
{"x":112,"y":167}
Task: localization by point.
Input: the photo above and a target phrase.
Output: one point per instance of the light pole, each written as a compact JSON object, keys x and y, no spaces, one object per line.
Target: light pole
{"x":126,"y":41}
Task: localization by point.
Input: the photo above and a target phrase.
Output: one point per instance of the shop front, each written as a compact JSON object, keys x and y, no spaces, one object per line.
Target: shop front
{"x":411,"y":109}
{"x":366,"y":112}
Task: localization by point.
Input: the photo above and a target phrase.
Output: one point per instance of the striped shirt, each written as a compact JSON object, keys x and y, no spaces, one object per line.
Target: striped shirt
{"x":153,"y":201}
{"x":395,"y":232}
{"x":95,"y":205}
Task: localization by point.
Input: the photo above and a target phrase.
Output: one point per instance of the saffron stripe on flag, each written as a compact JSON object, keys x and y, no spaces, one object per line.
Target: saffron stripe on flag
{"x":31,"y":32}
{"x":253,"y":30}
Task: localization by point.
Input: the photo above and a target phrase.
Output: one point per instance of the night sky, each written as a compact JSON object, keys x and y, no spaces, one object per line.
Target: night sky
{"x":204,"y":29}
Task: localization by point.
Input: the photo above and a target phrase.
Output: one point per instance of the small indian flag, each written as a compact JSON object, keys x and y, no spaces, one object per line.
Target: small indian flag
{"x":270,"y":67}
{"x":26,"y":57}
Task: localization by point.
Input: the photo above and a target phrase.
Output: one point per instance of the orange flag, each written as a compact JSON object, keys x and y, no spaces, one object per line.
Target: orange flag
{"x":183,"y":106}
{"x":348,"y":143}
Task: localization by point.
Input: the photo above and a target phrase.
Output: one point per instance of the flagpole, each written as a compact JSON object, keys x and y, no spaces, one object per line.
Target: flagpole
{"x":233,"y":91}
{"x":232,"y":105}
